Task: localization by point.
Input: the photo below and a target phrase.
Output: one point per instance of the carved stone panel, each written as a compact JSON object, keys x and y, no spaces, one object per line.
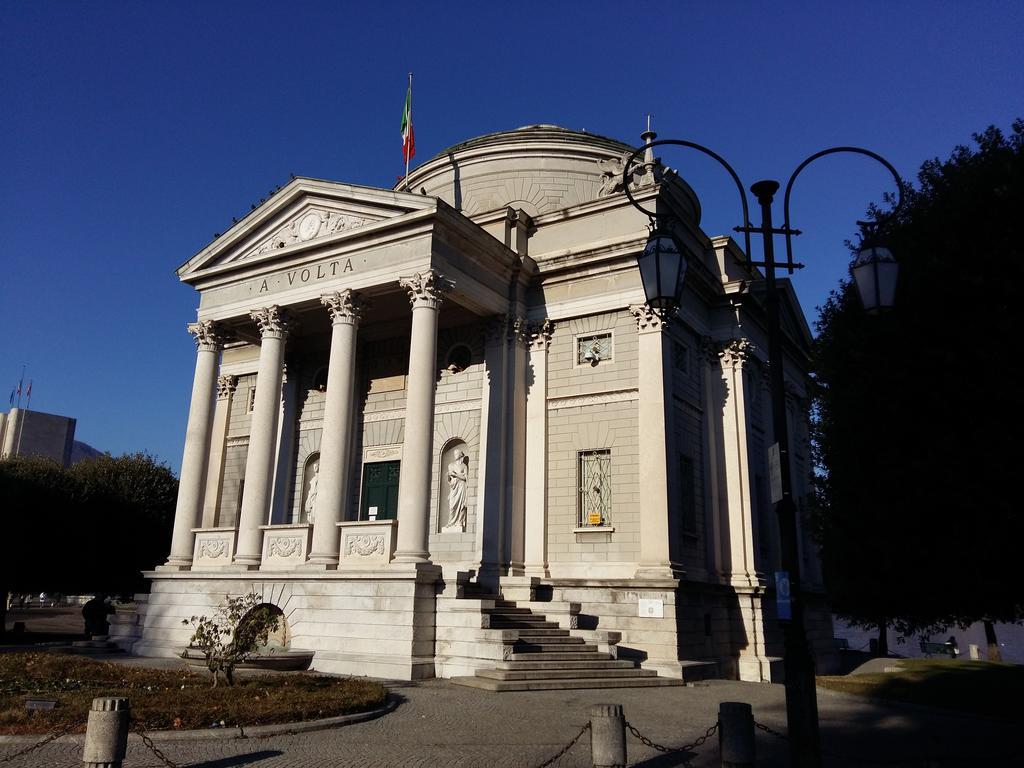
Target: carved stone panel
{"x":214,"y":548}
{"x":285,"y":546}
{"x":367,"y":542}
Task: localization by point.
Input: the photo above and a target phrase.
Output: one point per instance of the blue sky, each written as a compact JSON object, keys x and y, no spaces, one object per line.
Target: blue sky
{"x":131,"y":132}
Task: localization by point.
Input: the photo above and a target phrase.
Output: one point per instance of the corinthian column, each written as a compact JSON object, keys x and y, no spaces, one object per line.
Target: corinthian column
{"x":209,"y":341}
{"x":345,"y":310}
{"x":654,"y":447}
{"x":274,"y":326}
{"x":425,"y":292}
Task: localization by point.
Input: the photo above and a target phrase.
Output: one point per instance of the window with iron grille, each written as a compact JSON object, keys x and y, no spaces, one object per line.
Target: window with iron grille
{"x":593,"y":349}
{"x":595,"y":488}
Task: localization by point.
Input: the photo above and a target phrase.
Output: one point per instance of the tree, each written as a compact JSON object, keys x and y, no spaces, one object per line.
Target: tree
{"x":92,"y":527}
{"x":918,"y":419}
{"x":129,"y":501}
{"x":232,"y":635}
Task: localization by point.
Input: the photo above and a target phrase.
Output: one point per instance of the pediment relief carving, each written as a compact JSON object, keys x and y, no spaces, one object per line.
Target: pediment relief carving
{"x":311,"y":223}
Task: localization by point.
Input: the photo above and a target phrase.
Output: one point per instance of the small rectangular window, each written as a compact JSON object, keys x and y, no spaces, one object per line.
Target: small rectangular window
{"x":594,"y":348}
{"x":681,"y":357}
{"x":595,"y":488}
{"x":250,"y":403}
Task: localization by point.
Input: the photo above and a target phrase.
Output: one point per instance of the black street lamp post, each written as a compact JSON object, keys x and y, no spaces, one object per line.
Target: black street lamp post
{"x":875,"y":274}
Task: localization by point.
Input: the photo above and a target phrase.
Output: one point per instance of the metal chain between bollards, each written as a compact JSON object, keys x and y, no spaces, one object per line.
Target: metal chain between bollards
{"x":152,"y":747}
{"x":685,"y":748}
{"x":551,"y":760}
{"x":64,"y":730}
{"x":766,"y":729}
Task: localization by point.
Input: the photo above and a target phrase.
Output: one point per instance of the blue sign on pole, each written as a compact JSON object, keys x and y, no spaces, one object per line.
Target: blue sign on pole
{"x":783,"y":606}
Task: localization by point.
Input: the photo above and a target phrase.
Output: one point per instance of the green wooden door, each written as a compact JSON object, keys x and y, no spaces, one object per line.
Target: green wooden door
{"x":380,"y":490}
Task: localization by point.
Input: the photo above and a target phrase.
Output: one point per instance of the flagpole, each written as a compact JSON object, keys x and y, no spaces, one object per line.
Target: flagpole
{"x":21,"y":384}
{"x":410,"y":129}
{"x":28,"y":405}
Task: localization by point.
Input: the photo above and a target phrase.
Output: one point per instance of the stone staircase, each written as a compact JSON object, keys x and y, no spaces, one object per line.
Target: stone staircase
{"x":541,"y":656}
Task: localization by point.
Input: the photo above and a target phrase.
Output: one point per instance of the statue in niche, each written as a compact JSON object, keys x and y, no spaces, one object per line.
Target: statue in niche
{"x":310,"y":505}
{"x":458,"y":477}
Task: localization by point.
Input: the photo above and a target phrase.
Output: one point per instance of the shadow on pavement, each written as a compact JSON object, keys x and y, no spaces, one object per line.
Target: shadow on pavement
{"x":247,"y":759}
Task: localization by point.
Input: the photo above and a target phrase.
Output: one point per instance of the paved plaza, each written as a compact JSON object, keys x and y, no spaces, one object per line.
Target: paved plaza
{"x":440,"y":724}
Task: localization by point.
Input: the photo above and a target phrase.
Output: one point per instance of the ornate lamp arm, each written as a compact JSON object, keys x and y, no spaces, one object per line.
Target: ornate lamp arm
{"x":709,"y":153}
{"x":832,"y":151}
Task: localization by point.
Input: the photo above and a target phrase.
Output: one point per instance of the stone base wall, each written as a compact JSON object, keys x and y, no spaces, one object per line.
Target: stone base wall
{"x":379,"y":625}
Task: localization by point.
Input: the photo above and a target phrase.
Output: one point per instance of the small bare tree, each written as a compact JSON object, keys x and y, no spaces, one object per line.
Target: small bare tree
{"x":232,"y":635}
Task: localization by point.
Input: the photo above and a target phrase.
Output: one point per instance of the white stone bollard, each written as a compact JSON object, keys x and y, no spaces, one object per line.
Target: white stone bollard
{"x":607,"y":736}
{"x":106,"y":733}
{"x":736,"y":734}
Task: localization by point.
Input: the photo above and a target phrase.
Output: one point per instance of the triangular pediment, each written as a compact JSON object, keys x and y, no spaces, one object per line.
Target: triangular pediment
{"x":306,"y":211}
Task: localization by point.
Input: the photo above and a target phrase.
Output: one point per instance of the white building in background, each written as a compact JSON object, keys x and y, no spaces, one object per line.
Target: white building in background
{"x":406,"y":402}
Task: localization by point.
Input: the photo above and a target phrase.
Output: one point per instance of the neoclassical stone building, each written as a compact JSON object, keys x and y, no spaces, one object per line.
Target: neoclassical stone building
{"x":406,"y":402}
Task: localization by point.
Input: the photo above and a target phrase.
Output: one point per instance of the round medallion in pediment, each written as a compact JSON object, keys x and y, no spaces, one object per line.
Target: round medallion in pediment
{"x":309,"y":226}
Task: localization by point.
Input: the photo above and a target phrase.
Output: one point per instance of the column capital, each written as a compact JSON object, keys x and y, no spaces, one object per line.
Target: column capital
{"x":226,"y":386}
{"x":647,"y":320}
{"x":736,"y":353}
{"x":540,"y":334}
{"x":426,"y":289}
{"x":345,"y":306}
{"x":209,"y":336}
{"x":518,"y":331}
{"x":273,"y":322}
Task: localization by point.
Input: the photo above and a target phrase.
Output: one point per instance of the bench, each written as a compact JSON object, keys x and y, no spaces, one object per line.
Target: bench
{"x":948,"y":648}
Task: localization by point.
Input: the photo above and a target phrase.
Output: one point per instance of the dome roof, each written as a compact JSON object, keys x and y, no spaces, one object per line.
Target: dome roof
{"x":538,"y":168}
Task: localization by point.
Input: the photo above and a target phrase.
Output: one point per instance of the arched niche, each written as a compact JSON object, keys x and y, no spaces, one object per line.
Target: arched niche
{"x":449,"y":493}
{"x":279,"y":638}
{"x":310,"y":481}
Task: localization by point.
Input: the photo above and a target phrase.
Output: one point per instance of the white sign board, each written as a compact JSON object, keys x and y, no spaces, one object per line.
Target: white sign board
{"x":775,"y":473}
{"x":372,"y":513}
{"x":652,"y":609}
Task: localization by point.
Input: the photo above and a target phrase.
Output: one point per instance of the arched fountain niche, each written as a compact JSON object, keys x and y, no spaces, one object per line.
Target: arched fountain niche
{"x":276,"y":652}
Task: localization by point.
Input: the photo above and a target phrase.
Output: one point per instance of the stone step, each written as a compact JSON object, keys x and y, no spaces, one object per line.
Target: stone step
{"x":530,"y":618}
{"x":579,"y":664}
{"x":562,"y":674}
{"x":532,"y":639}
{"x":523,"y":625}
{"x":540,"y":632}
{"x":592,"y":655}
{"x":522,"y":646}
{"x":549,"y":684}
{"x":507,"y":609}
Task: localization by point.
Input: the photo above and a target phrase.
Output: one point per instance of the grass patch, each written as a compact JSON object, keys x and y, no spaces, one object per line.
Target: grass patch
{"x":163,"y":699}
{"x":977,"y":687}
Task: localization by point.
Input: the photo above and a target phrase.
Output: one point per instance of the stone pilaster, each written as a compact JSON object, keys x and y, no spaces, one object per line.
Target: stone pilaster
{"x":654,"y":419}
{"x":226,"y":386}
{"x":712,"y":442}
{"x":734,"y":356}
{"x":536,"y":514}
{"x":493,"y":466}
{"x":274,"y":326}
{"x":425,"y":295}
{"x":345,"y":309}
{"x":209,"y":338}
{"x":514,"y":533}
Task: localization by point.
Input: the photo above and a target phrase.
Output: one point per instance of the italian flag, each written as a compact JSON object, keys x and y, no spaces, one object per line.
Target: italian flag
{"x":408,"y":137}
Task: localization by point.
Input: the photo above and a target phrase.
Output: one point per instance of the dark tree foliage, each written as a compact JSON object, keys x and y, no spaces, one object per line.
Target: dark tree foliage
{"x":90,"y":528}
{"x":918,"y":411}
